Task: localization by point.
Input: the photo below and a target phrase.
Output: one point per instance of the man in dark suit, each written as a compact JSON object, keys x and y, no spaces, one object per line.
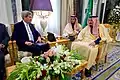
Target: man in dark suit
{"x":27,"y":36}
{"x":4,"y":38}
{"x":2,"y":66}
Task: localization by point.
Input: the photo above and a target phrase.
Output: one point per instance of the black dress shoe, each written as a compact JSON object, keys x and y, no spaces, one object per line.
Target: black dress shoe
{"x":87,"y":72}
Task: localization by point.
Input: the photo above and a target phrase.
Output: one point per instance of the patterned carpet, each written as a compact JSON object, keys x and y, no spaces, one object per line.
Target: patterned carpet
{"x":113,"y":63}
{"x":106,"y":71}
{"x":115,"y":75}
{"x":105,"y":74}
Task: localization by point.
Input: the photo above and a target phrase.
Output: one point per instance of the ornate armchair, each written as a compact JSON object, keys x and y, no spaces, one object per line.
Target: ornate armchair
{"x":103,"y":46}
{"x":14,"y":55}
{"x":9,"y":58}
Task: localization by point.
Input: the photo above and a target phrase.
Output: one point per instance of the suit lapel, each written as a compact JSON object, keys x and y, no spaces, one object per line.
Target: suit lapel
{"x":33,"y":30}
{"x":24,"y":30}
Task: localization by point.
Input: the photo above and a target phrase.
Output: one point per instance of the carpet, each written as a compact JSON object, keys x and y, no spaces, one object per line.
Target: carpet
{"x":112,"y":66}
{"x":115,"y":75}
{"x":108,"y":72}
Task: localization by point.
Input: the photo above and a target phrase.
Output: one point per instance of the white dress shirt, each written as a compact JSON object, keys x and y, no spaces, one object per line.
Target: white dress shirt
{"x":29,"y":32}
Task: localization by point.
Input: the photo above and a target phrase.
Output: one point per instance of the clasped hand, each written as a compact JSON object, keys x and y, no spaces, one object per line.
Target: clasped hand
{"x":30,"y":43}
{"x":39,"y":40}
{"x":2,"y":46}
{"x":92,"y":44}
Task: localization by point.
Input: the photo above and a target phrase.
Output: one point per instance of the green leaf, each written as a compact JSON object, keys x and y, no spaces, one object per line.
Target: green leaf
{"x":62,"y":75}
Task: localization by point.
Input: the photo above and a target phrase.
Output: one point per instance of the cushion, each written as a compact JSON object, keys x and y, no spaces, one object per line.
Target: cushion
{"x":51,"y":37}
{"x":7,"y":59}
{"x":22,"y":54}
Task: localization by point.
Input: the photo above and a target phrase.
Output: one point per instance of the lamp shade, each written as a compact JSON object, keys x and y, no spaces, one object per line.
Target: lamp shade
{"x":44,"y":5}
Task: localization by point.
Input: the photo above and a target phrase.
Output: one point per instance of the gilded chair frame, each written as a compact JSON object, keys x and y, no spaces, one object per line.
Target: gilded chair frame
{"x":103,"y":43}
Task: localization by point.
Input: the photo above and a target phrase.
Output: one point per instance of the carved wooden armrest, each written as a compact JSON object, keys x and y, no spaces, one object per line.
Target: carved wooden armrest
{"x":100,"y":48}
{"x":44,"y":39}
{"x":10,"y":49}
{"x":15,"y":50}
{"x":102,"y":42}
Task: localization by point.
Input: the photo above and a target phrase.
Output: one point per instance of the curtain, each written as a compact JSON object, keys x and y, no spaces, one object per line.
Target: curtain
{"x":54,"y":19}
{"x":3,"y":12}
{"x":19,"y":10}
{"x":6,"y":14}
{"x":78,"y":9}
{"x":53,"y":24}
{"x":66,"y":11}
{"x":14,"y":10}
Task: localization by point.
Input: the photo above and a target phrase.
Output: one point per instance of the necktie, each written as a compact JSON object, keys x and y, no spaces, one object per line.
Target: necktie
{"x":30,"y":35}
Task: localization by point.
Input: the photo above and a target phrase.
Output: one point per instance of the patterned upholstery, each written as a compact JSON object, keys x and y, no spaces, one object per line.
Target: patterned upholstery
{"x":18,"y":55}
{"x":7,"y":59}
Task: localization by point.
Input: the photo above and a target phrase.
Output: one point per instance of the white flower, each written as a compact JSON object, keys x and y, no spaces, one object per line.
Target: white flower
{"x":67,"y":52}
{"x":67,"y":58}
{"x":39,"y":74}
{"x":26,"y":59}
{"x":59,"y":49}
{"x":47,"y":59}
{"x":45,"y":66}
{"x":38,"y":63}
{"x":47,"y":77}
{"x":57,"y":68}
{"x":117,"y":12}
{"x":57,"y":71}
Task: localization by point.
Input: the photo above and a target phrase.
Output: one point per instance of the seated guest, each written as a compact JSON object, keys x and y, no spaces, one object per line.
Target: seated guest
{"x":4,"y":38}
{"x":88,"y":39}
{"x":72,"y":29}
{"x":2,"y":66}
{"x":27,"y":37}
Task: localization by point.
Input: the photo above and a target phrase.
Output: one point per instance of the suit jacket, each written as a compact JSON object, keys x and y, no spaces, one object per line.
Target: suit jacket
{"x":4,"y":37}
{"x":2,"y":66}
{"x":20,"y":34}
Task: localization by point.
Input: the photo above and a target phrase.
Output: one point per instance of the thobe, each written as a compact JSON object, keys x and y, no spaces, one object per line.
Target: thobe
{"x":82,"y":44}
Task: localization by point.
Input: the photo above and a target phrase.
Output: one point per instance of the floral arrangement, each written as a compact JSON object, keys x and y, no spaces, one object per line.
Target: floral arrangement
{"x":114,"y":20}
{"x":114,"y":16}
{"x":54,"y":63}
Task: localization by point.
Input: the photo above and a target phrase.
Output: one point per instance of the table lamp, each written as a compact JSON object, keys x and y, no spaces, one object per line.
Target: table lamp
{"x":42,"y":8}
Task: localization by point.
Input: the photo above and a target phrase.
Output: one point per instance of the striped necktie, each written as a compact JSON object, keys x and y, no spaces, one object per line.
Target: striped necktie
{"x":30,"y":35}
